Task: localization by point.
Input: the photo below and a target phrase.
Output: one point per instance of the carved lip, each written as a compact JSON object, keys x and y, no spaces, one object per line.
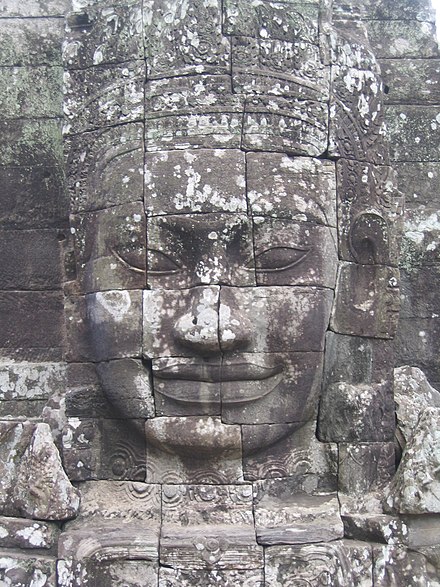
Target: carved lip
{"x":214,"y":373}
{"x":240,"y":382}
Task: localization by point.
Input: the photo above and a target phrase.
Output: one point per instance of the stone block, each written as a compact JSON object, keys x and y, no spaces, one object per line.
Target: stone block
{"x":34,"y":483}
{"x":362,"y":412}
{"x":78,"y":338}
{"x":30,"y":381}
{"x":421,"y":234}
{"x":416,"y":180}
{"x":110,"y":248}
{"x":43,"y":186}
{"x":117,"y":572}
{"x":201,"y":181}
{"x":31,"y":143}
{"x":285,"y":516}
{"x":375,"y":528}
{"x":22,"y":569}
{"x":413,"y":133}
{"x":116,"y":502}
{"x":31,"y":92}
{"x":170,"y":577}
{"x":296,"y":127}
{"x":364,"y":471}
{"x":30,"y":41}
{"x":417,"y":343}
{"x":299,"y":188}
{"x":115,"y":319}
{"x":103,"y":34}
{"x":199,"y":249}
{"x":291,"y":253}
{"x":31,"y":260}
{"x":301,"y":21}
{"x":402,"y":38}
{"x":171,"y":52}
{"x":84,"y":397}
{"x":272,"y":451}
{"x":263,"y":66}
{"x":394,"y":565}
{"x":36,"y":339}
{"x":105,"y":167}
{"x":223,"y":547}
{"x":405,"y":10}
{"x":338,"y":563}
{"x":192,"y":112}
{"x":370,"y":213}
{"x":9,"y":8}
{"x":81,"y":448}
{"x":27,"y":534}
{"x":100,"y":97}
{"x":195,"y":450}
{"x":422,"y":530}
{"x":415,"y":487}
{"x":411,"y":81}
{"x":193,"y":505}
{"x":367,"y":301}
{"x":420,"y":300}
{"x":14,"y":409}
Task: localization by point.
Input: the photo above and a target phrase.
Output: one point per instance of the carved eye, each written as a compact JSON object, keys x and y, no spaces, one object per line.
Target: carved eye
{"x":279,"y":258}
{"x":131,"y":257}
{"x":160,"y":263}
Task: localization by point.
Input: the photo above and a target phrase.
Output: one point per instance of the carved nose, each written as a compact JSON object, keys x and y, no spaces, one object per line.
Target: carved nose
{"x":197,"y":329}
{"x":209,"y":327}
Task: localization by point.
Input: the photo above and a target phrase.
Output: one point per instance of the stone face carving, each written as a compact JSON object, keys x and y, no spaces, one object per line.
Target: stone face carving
{"x":231,"y":292}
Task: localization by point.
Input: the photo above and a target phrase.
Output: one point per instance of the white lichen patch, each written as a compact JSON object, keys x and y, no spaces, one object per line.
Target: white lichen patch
{"x":115,"y":303}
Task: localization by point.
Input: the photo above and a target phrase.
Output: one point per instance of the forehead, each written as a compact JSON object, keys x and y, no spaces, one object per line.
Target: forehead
{"x":229,"y":180}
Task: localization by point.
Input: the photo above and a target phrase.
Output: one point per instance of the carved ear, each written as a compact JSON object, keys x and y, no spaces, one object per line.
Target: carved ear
{"x":369,"y":239}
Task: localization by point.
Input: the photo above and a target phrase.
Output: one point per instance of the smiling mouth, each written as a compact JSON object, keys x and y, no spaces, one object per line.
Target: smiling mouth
{"x":236,"y":382}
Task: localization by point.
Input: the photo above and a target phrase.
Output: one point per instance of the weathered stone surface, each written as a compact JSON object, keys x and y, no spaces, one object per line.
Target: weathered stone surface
{"x":362,"y":412}
{"x":170,"y":46}
{"x":394,"y":565}
{"x":105,"y":167}
{"x":43,"y":186}
{"x":10,"y":8}
{"x":117,"y":571}
{"x":367,"y":301}
{"x":400,"y":38}
{"x":34,"y":483}
{"x":30,"y":42}
{"x":412,"y":394}
{"x":78,"y":338}
{"x":411,"y":81}
{"x":30,"y":381}
{"x":338,"y":563}
{"x":20,"y":569}
{"x":297,"y":127}
{"x":285,"y":516}
{"x":413,"y":132}
{"x":364,"y":470}
{"x":405,"y":10}
{"x":415,"y":487}
{"x":194,"y":505}
{"x":115,"y":319}
{"x":202,"y":180}
{"x":31,"y":143}
{"x":273,"y":451}
{"x":31,"y":92}
{"x":30,"y":260}
{"x":26,"y":534}
{"x":103,"y":96}
{"x":231,"y":578}
{"x":196,"y":249}
{"x":98,"y":35}
{"x":206,"y":546}
{"x":116,"y":501}
{"x":192,"y":112}
{"x":290,"y":253}
{"x":422,"y":530}
{"x":193,"y":450}
{"x":84,"y":396}
{"x":81,"y":455}
{"x":299,"y":188}
{"x":375,"y":528}
{"x":420,"y":243}
{"x":110,"y":247}
{"x":37,"y":339}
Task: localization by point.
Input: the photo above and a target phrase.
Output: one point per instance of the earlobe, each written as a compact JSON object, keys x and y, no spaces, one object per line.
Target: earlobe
{"x":369,"y":239}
